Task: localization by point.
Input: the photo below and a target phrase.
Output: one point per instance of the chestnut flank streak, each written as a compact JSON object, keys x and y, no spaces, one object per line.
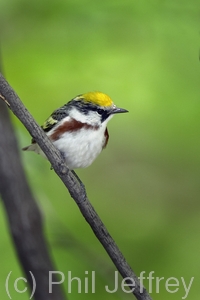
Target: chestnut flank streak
{"x":106,"y":138}
{"x":70,"y":126}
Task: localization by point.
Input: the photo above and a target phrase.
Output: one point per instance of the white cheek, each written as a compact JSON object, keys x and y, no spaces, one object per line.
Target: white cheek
{"x":92,"y":118}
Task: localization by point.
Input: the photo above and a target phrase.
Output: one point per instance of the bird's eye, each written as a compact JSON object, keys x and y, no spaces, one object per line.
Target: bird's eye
{"x":99,"y":111}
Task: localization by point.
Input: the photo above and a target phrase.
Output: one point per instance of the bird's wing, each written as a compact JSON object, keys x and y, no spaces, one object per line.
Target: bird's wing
{"x":49,"y":123}
{"x":54,"y":118}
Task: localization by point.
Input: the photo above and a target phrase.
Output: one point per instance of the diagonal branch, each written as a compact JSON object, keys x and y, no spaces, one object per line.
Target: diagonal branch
{"x":75,"y":187}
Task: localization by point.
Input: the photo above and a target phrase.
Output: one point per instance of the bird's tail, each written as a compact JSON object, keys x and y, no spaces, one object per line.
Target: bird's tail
{"x":35,"y":148}
{"x":31,"y":147}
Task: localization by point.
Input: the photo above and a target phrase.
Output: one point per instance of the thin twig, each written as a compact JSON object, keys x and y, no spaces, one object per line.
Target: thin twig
{"x":75,"y":187}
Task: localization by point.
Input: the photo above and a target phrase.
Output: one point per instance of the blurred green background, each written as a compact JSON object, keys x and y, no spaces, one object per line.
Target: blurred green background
{"x":145,"y":185}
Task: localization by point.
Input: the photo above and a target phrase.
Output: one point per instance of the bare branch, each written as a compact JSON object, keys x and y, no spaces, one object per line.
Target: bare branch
{"x":75,"y":187}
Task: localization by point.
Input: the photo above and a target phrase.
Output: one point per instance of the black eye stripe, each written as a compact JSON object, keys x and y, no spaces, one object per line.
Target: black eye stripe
{"x":86,"y":107}
{"x":100,"y":111}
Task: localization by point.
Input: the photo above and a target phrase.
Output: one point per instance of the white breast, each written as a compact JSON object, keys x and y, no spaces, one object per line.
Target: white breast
{"x":81,"y":147}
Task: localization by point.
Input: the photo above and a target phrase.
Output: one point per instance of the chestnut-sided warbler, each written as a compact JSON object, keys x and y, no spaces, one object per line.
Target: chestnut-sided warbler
{"x":79,"y":128}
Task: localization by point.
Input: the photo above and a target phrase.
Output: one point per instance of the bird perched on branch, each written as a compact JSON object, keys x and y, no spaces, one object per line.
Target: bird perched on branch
{"x":79,"y":128}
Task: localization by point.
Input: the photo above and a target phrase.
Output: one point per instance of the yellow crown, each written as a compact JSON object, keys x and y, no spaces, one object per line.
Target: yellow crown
{"x":97,"y":98}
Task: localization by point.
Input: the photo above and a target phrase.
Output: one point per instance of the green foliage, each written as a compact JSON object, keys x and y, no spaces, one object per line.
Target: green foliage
{"x":145,"y":185}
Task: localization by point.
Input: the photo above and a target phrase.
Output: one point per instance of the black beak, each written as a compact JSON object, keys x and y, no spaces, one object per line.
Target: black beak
{"x":117,"y":110}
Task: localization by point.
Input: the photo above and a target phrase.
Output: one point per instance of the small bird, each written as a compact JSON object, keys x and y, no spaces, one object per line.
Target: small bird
{"x":79,"y":128}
